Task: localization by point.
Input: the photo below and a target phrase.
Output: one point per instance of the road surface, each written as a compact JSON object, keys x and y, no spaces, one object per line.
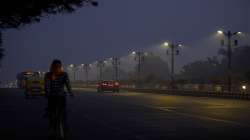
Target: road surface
{"x":128,"y":116}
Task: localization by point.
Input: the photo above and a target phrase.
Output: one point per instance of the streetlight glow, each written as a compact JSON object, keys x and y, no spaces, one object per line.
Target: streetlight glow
{"x":71,"y":65}
{"x":220,"y":32}
{"x":134,"y":53}
{"x":180,"y":45}
{"x":166,"y":44}
{"x":244,"y":87}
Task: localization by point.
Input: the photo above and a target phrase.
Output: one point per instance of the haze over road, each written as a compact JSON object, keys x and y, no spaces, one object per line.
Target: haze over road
{"x":127,"y":115}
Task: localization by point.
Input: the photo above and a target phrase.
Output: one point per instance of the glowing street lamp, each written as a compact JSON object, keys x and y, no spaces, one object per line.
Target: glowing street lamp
{"x":86,"y":68}
{"x":174,"y":51}
{"x":244,"y":87}
{"x":228,"y":36}
{"x":71,"y":67}
{"x":166,"y":44}
{"x":140,"y":57}
{"x":101,"y":64}
{"x":220,"y":32}
{"x":116,"y":63}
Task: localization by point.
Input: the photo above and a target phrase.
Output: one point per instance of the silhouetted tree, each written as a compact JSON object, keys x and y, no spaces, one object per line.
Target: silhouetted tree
{"x":16,"y":13}
{"x":1,"y":49}
{"x":213,"y":70}
{"x":202,"y":71}
{"x":241,"y":63}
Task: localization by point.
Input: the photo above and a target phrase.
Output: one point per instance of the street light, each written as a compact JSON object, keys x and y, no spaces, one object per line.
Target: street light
{"x":166,"y":44}
{"x":115,"y":62}
{"x":101,"y":64}
{"x":244,"y":87}
{"x":229,"y":35}
{"x":86,"y":68}
{"x":71,"y":67}
{"x":140,"y":57}
{"x":220,"y":32}
{"x":133,"y":53}
{"x":174,"y":51}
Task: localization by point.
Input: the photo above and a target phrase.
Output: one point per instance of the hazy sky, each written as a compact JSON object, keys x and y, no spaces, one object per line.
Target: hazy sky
{"x":118,"y":26}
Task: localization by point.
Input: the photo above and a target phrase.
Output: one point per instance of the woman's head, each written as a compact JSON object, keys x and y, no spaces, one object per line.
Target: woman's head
{"x":56,"y":66}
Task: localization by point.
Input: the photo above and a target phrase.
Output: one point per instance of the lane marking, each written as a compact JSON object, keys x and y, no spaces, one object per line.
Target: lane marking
{"x":170,"y":109}
{"x":198,"y":116}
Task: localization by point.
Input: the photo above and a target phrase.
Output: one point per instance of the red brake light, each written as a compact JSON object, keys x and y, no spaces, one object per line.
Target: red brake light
{"x":104,"y":84}
{"x":116,"y":83}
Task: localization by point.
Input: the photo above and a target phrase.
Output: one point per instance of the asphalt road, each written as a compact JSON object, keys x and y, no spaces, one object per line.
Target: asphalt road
{"x":127,"y":116}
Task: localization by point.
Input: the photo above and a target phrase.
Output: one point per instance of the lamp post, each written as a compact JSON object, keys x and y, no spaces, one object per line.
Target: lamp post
{"x":229,"y":36}
{"x":140,"y":57}
{"x":116,"y":63}
{"x":72,"y":68}
{"x":86,"y":68}
{"x":173,"y":52}
{"x":100,"y":64}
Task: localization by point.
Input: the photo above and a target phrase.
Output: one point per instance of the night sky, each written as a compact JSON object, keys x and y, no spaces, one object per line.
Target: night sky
{"x":116,"y":27}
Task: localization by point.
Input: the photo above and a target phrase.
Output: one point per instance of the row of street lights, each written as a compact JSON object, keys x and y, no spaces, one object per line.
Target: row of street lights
{"x":174,"y":50}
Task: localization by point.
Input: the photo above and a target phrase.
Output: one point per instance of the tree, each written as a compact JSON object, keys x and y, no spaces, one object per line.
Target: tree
{"x":202,"y":71}
{"x":1,"y":49}
{"x":16,"y":13}
{"x":213,"y":70}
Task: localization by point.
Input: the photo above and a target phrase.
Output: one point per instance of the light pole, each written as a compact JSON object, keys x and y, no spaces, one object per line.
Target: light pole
{"x":86,"y":68}
{"x":100,"y":64}
{"x":229,"y":36}
{"x":116,"y":63}
{"x":72,"y":68}
{"x":173,"y":51}
{"x":140,"y":57}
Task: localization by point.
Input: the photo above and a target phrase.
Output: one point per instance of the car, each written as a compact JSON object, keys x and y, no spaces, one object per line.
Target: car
{"x":113,"y":86}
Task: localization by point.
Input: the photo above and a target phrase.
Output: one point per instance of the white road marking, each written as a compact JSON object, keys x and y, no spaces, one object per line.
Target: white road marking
{"x":198,"y":116}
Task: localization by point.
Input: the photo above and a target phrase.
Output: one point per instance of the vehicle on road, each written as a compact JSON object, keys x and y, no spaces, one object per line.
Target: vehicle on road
{"x":23,"y":77}
{"x":113,"y":86}
{"x":35,"y":85}
{"x":31,"y":82}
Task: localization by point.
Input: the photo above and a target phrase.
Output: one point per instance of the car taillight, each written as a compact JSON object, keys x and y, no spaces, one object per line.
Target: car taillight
{"x":116,"y":84}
